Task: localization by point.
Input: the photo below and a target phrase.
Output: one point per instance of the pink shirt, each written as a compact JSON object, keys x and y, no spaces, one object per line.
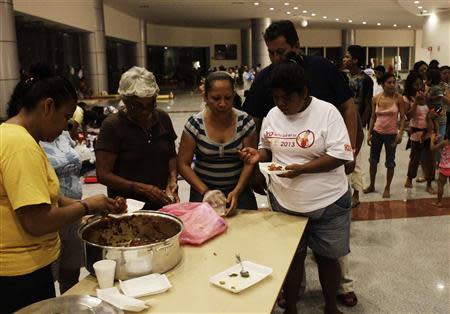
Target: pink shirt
{"x":445,"y":157}
{"x":419,"y":120}
{"x":386,"y":122}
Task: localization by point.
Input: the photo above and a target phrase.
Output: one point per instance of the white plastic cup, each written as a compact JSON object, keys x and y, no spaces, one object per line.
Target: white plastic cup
{"x":105,"y":271}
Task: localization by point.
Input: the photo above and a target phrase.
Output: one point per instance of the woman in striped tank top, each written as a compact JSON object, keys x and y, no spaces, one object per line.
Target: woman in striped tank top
{"x":214,"y":136}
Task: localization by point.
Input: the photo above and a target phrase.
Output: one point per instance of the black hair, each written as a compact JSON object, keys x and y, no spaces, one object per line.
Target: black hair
{"x":409,"y":90}
{"x":356,"y":52}
{"x":40,"y":84}
{"x":380,"y":68}
{"x":217,"y":76}
{"x":418,"y":64}
{"x":434,"y":64}
{"x":444,"y":67}
{"x":434,"y":76}
{"x":283,"y":28}
{"x":288,"y":76}
{"x":386,"y":76}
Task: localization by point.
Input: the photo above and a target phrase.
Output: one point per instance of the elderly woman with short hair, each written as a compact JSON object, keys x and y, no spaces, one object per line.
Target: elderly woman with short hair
{"x":135,"y":149}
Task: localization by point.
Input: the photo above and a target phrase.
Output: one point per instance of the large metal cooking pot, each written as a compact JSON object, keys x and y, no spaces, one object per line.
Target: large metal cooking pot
{"x":136,"y":260}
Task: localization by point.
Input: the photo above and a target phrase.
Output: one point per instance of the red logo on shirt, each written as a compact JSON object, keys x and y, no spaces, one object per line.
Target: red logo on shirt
{"x":306,"y":139}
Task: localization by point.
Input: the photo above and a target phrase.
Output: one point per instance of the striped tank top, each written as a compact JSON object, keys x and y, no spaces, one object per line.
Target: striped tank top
{"x":218,"y":164}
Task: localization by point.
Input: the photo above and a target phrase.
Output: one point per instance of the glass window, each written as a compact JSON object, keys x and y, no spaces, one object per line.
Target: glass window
{"x":334,"y":54}
{"x":404,"y":55}
{"x":315,"y":51}
{"x":389,"y":55}
{"x":375,"y":56}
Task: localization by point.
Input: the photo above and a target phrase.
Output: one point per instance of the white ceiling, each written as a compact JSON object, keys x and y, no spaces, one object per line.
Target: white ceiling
{"x":237,"y":13}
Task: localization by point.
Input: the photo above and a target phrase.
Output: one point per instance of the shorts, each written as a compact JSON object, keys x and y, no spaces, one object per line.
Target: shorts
{"x":327,"y":232}
{"x":390,"y":147}
{"x":445,"y":171}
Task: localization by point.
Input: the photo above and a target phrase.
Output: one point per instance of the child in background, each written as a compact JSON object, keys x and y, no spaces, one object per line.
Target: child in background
{"x":444,"y":164}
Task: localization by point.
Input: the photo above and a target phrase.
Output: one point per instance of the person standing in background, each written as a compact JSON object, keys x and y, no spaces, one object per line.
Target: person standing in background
{"x":362,"y":86}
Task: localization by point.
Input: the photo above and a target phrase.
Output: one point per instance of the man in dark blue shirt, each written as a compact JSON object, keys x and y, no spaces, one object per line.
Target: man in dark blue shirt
{"x":325,"y":82}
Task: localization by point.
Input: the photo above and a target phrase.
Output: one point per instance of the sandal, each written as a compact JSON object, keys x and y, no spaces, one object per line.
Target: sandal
{"x":348,"y":299}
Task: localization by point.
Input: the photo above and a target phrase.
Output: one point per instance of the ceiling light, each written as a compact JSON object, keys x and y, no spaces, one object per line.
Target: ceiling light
{"x":295,"y":8}
{"x":256,"y":3}
{"x":378,"y":24}
{"x":416,"y":2}
{"x":420,"y":7}
{"x":424,"y":11}
{"x":409,"y":26}
{"x":313,"y":14}
{"x":324,"y":17}
{"x":271,"y":9}
{"x":304,"y":23}
{"x":337,"y":19}
{"x":304,"y":11}
{"x":364,"y":22}
{"x":286,"y":3}
{"x":288,"y":12}
{"x":350,"y":21}
{"x":395,"y":25}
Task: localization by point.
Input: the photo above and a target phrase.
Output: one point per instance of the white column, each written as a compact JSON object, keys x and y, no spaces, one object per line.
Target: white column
{"x":260,"y":55}
{"x":9,"y":58}
{"x":97,"y":71}
{"x":436,"y":35}
{"x":347,"y":39}
{"x":246,"y":46}
{"x":141,"y":46}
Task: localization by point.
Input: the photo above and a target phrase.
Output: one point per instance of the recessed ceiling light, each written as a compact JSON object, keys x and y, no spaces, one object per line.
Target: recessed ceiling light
{"x":286,"y":3}
{"x":416,"y":2}
{"x":420,"y":7}
{"x":256,"y":3}
{"x":424,"y":11}
{"x":409,"y":26}
{"x":337,"y":19}
{"x":271,"y":9}
{"x":378,"y":24}
{"x":313,"y":14}
{"x":288,"y":12}
{"x":350,"y":21}
{"x":324,"y":17}
{"x":364,"y":22}
{"x":295,"y":8}
{"x":304,"y":11}
{"x":395,"y":25}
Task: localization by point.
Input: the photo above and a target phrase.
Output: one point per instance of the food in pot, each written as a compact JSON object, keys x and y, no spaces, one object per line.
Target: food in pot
{"x":274,"y":167}
{"x":121,"y":204}
{"x":130,"y":231}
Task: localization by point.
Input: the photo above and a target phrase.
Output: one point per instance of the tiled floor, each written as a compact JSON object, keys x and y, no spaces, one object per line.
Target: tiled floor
{"x":400,"y":256}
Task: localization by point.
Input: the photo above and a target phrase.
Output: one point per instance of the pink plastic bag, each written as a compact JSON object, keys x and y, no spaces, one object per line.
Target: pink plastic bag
{"x":201,"y":221}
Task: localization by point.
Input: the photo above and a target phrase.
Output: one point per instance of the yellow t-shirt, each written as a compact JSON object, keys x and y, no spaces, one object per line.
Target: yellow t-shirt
{"x":26,"y":178}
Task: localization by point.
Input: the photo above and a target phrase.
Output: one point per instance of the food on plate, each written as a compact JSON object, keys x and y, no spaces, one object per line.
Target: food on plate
{"x":274,"y":167}
{"x":233,"y":275}
{"x":121,"y":204}
{"x":222,"y":282}
{"x":134,"y":230}
{"x":245,"y":274}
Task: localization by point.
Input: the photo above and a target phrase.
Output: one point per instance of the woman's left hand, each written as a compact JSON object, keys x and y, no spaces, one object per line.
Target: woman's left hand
{"x":294,"y":171}
{"x":172,"y":191}
{"x":232,"y":200}
{"x":398,"y":139}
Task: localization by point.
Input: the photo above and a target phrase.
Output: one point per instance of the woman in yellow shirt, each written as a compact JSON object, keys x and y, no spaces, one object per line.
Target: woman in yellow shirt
{"x":31,"y":209}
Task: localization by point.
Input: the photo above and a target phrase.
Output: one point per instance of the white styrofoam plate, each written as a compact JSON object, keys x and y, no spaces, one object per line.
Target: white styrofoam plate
{"x":264,"y":167}
{"x":145,"y":285}
{"x":231,"y":280}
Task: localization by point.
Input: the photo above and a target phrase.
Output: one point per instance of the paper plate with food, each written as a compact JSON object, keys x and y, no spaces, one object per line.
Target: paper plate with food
{"x":272,"y":168}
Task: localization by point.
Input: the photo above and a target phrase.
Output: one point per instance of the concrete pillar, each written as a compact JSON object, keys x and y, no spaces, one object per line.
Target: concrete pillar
{"x":9,"y":58}
{"x":246,"y":47}
{"x":259,"y":49}
{"x":436,"y":36}
{"x":141,"y":46}
{"x":96,"y":72}
{"x":347,"y":39}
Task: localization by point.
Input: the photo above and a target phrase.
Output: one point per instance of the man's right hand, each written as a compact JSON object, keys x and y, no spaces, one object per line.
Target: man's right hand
{"x":154,"y":194}
{"x":258,"y":182}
